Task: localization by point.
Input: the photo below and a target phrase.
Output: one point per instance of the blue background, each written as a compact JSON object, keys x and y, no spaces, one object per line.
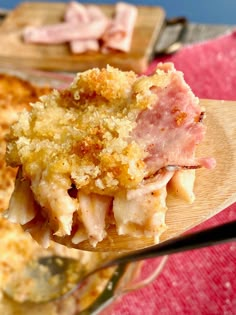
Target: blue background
{"x":199,"y":11}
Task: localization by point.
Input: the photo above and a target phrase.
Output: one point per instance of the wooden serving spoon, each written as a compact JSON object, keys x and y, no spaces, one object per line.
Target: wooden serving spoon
{"x":214,"y":189}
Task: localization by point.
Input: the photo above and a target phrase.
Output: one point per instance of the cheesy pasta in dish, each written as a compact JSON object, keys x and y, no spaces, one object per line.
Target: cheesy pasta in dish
{"x":102,"y":153}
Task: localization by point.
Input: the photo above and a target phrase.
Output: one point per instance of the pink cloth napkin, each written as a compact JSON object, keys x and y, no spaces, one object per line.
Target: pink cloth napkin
{"x":201,"y":282}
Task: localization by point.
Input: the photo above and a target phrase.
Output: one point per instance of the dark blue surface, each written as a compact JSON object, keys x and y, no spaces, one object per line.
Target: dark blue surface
{"x":200,"y":11}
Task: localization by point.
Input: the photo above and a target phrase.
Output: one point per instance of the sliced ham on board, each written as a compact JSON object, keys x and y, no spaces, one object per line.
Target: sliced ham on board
{"x":82,"y":27}
{"x":78,"y":13}
{"x":119,"y":34}
{"x":64,"y":32}
{"x":85,"y":27}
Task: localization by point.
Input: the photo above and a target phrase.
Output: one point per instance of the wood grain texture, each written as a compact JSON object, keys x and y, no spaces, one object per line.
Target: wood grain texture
{"x":214,"y":189}
{"x":58,"y":57}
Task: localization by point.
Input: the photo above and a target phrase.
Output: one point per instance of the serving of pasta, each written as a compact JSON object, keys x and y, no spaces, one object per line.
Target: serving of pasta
{"x":105,"y":152}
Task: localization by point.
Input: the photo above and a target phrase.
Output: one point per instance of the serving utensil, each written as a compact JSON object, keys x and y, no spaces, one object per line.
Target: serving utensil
{"x":52,"y":277}
{"x":214,"y":189}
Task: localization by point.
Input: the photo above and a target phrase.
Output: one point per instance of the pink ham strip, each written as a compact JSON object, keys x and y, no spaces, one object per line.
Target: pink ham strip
{"x":65,"y":32}
{"x":207,"y":162}
{"x":93,"y":14}
{"x":119,"y":34}
{"x":78,"y":13}
{"x":170,"y":130}
{"x":81,"y":46}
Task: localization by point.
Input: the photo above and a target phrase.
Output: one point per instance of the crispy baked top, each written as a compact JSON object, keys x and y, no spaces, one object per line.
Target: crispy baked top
{"x":85,"y":131}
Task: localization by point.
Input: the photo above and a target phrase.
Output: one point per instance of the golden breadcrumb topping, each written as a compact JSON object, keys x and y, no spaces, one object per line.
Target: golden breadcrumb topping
{"x":84,"y":132}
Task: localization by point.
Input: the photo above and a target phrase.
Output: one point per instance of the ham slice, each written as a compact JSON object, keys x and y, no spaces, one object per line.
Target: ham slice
{"x":81,"y":46}
{"x":170,"y":130}
{"x":65,"y":32}
{"x":78,"y":13}
{"x":119,"y":34}
{"x":95,"y":13}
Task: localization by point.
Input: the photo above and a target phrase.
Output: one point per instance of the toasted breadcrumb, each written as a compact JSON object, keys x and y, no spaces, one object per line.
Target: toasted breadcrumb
{"x":86,"y":133}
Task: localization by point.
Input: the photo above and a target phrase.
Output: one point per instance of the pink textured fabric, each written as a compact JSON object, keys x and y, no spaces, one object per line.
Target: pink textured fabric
{"x":201,"y":282}
{"x":209,"y":67}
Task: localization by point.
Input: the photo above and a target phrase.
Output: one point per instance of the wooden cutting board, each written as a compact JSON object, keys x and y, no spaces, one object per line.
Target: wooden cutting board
{"x":16,"y":53}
